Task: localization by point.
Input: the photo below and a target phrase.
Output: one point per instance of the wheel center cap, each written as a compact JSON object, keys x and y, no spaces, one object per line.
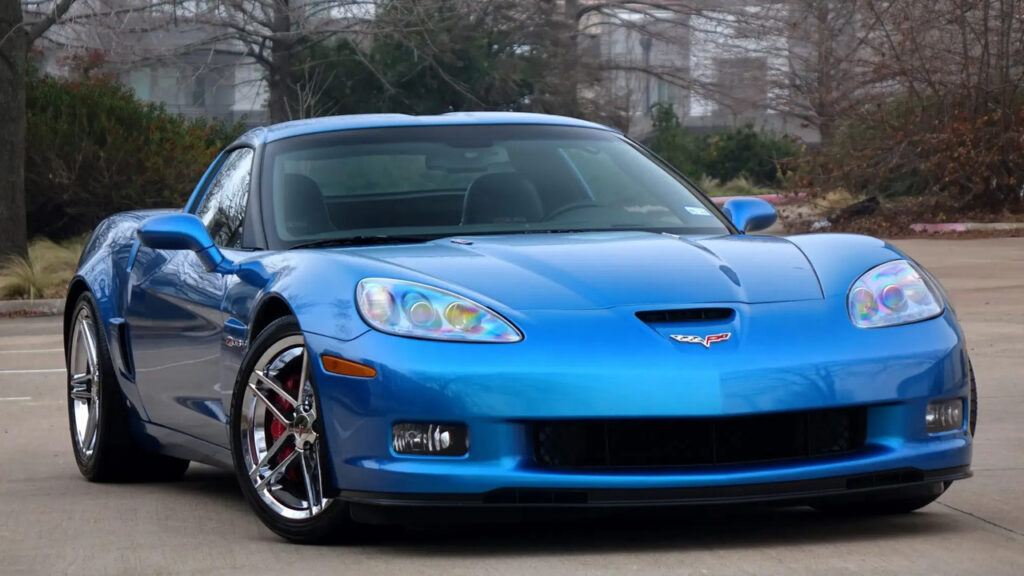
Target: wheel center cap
{"x":302,"y":428}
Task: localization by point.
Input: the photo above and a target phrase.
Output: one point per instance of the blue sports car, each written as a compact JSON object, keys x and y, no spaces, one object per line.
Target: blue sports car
{"x":368,"y":314}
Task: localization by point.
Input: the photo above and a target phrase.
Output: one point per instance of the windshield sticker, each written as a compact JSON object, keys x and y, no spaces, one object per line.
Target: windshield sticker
{"x":697,"y":210}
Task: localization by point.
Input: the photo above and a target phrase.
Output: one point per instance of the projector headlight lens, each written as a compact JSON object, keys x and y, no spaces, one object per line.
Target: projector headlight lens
{"x":892,"y":294}
{"x":428,"y":312}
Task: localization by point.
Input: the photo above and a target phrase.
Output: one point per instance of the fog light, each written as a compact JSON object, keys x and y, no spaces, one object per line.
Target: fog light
{"x":945,"y":415}
{"x":429,"y":439}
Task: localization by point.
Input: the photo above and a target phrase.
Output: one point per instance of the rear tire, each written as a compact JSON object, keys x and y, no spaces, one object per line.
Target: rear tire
{"x":104,"y":447}
{"x":277,"y":439}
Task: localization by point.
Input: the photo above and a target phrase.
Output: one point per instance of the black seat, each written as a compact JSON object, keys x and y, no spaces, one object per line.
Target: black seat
{"x":305,"y":213}
{"x":501,"y":197}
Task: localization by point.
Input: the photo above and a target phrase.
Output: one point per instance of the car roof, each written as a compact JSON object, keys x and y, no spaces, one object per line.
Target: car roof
{"x":358,"y":121}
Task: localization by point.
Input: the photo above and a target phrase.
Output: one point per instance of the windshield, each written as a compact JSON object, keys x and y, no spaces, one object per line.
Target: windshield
{"x":437,"y":181}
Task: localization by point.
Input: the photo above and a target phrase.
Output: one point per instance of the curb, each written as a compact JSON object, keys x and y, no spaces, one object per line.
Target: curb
{"x":45,"y":307}
{"x":960,"y":227}
{"x":771,"y":198}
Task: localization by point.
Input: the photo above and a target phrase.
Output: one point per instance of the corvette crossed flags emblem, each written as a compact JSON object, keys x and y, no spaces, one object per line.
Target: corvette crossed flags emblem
{"x":707,"y":341}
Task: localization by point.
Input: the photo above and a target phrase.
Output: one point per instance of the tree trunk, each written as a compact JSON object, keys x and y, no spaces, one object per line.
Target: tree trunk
{"x":279,"y":68}
{"x":280,"y":85}
{"x":13,"y":57}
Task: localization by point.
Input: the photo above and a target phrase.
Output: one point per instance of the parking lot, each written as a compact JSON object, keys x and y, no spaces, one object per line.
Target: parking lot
{"x":54,"y":522}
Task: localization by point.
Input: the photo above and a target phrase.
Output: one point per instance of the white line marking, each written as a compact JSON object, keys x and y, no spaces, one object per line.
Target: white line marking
{"x":44,"y":371}
{"x":14,"y":398}
{"x":33,"y":351}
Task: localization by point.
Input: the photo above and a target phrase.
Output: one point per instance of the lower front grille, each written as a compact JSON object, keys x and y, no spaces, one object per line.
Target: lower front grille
{"x":666,"y":443}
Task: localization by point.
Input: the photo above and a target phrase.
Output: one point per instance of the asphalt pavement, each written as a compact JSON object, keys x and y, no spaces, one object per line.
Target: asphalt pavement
{"x":54,"y":522}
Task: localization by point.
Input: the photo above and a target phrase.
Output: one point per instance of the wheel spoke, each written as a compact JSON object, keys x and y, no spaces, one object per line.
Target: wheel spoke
{"x":270,"y":405}
{"x":304,"y":375}
{"x":81,"y":394}
{"x":275,"y":387}
{"x":90,"y":428}
{"x":311,"y":478}
{"x":255,"y":472}
{"x":81,"y":387}
{"x":90,"y":345}
{"x":276,"y":472}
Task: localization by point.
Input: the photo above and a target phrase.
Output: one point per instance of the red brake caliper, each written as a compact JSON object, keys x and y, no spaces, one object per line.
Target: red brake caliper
{"x":277,"y":428}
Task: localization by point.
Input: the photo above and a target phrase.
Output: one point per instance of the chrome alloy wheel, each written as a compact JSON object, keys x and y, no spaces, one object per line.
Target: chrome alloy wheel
{"x":84,"y":383}
{"x":279,"y":442}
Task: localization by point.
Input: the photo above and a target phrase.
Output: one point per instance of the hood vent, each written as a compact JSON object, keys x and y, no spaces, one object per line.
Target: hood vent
{"x":685,"y":315}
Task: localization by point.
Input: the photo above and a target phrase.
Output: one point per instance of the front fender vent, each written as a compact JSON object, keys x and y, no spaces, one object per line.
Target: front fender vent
{"x":685,"y":315}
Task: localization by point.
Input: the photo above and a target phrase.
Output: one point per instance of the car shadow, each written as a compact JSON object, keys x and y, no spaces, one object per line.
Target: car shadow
{"x":561,"y":533}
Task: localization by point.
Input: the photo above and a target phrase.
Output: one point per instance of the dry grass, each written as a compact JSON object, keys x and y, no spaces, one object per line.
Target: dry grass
{"x":46,"y":271}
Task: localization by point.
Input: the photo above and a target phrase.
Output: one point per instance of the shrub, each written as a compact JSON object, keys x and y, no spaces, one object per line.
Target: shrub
{"x":93,"y":148}
{"x":961,"y":155}
{"x":741,"y":186}
{"x":725,"y":155}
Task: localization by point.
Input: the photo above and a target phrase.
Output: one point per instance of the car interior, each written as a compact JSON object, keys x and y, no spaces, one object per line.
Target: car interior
{"x":493,"y":197}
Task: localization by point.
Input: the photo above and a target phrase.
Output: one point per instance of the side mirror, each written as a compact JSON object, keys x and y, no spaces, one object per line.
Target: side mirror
{"x":181,"y":231}
{"x":750,"y":214}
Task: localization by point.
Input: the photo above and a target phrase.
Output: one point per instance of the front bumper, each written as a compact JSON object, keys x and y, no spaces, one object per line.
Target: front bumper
{"x":798,"y":491}
{"x":600,"y":364}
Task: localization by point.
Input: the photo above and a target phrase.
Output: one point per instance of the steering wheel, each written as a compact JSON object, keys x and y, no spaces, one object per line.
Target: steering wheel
{"x":570,"y":207}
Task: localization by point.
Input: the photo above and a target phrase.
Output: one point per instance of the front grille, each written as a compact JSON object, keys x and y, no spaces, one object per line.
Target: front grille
{"x":667,"y":443}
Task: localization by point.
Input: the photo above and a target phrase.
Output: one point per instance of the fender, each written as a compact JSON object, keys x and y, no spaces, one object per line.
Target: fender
{"x":840,"y":259}
{"x":103,"y":270}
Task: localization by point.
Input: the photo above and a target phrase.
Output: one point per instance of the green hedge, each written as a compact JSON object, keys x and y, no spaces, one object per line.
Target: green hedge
{"x":733,"y":153}
{"x":93,"y":148}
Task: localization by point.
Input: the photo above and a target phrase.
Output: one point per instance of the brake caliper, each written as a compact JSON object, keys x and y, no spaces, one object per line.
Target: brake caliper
{"x":278,"y":428}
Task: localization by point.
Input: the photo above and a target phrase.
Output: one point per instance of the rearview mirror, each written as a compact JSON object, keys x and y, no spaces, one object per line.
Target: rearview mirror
{"x":750,"y":214}
{"x":182,"y":231}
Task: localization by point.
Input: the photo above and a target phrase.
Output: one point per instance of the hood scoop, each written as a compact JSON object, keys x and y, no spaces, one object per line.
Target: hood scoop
{"x":686,"y":315}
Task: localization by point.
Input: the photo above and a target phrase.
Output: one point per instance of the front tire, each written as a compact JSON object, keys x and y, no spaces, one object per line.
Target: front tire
{"x":277,"y":440}
{"x":104,"y":447}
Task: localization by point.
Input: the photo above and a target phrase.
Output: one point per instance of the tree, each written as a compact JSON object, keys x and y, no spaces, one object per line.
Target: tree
{"x":16,"y":35}
{"x":427,"y":59}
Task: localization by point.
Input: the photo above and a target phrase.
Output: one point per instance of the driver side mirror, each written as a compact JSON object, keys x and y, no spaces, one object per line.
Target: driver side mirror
{"x":182,"y":231}
{"x":750,"y":214}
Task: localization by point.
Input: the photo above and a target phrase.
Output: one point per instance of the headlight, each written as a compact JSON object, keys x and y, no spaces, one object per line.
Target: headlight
{"x":891,"y":294}
{"x":418,"y":311}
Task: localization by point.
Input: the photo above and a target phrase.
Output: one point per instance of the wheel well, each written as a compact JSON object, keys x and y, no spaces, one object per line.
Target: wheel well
{"x":272,"y":308}
{"x":75,"y":291}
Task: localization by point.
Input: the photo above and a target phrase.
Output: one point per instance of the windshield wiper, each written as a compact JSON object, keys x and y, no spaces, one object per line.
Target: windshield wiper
{"x":367,"y":241}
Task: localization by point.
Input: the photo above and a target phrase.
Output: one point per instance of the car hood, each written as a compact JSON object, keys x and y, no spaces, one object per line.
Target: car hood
{"x":602,"y":270}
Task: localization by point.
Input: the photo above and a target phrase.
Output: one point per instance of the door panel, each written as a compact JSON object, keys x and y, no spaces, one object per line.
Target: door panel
{"x":174,"y":311}
{"x":176,"y":318}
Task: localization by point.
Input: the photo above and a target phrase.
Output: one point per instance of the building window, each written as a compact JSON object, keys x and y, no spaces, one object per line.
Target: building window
{"x":741,"y":85}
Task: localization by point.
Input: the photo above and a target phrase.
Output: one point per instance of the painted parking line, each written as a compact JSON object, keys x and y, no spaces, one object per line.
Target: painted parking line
{"x":32,"y":351}
{"x":15,"y":398}
{"x":39,"y":371}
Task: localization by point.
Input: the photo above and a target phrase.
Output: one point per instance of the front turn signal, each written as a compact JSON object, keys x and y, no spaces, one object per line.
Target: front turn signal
{"x":336,"y":365}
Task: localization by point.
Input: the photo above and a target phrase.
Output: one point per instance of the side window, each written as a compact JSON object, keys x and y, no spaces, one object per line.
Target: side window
{"x":223,"y":207}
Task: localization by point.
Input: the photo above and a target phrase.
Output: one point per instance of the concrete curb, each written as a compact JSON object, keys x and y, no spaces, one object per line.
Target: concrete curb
{"x":960,"y":227}
{"x":45,"y":307}
{"x":772,"y":198}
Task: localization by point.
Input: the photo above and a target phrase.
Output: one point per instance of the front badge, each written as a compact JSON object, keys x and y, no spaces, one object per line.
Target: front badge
{"x":707,"y":341}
